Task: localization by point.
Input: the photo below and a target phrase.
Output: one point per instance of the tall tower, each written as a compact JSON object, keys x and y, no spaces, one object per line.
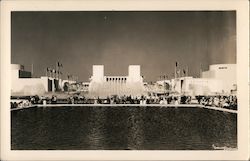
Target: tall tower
{"x":134,"y":73}
{"x":98,"y":73}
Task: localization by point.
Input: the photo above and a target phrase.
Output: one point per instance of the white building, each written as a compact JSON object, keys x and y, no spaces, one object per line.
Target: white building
{"x":197,"y":86}
{"x":225,"y":73}
{"x":219,"y":79}
{"x":101,"y":85}
{"x":22,"y":82}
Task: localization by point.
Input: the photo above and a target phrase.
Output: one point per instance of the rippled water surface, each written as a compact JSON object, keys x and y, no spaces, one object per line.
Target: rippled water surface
{"x":117,"y":128}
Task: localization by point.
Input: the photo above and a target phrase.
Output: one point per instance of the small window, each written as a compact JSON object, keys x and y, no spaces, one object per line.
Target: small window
{"x":222,"y":67}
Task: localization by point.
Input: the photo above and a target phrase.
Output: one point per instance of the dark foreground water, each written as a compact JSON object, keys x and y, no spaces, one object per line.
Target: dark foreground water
{"x":116,"y":128}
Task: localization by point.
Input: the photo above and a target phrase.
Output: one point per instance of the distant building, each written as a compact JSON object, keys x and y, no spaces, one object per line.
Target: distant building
{"x":226,"y":73}
{"x":22,"y":82}
{"x":101,"y":85}
{"x":18,"y":70}
{"x":219,"y":79}
{"x":197,"y":86}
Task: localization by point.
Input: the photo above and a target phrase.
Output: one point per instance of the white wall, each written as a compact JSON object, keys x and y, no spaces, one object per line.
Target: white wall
{"x":222,"y":72}
{"x":17,"y":67}
{"x":134,"y":73}
{"x":98,"y":73}
{"x":29,"y":86}
{"x":197,"y":86}
{"x":202,"y":86}
{"x":14,"y":74}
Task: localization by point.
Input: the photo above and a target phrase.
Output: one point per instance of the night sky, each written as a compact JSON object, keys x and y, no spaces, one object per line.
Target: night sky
{"x":154,"y":40}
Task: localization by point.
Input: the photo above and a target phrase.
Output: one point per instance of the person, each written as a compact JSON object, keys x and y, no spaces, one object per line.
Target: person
{"x":226,"y":103}
{"x":15,"y":105}
{"x":176,"y":101}
{"x":188,"y":100}
{"x":198,"y":99}
{"x":32,"y":100}
{"x":210,"y":101}
{"x":99,"y":100}
{"x":53,"y":99}
{"x":26,"y":103}
{"x":12,"y":105}
{"x":163,"y":101}
{"x":141,"y":101}
{"x":44,"y":102}
{"x":216,"y":101}
{"x":71,"y":100}
{"x":169,"y":99}
{"x":183,"y":99}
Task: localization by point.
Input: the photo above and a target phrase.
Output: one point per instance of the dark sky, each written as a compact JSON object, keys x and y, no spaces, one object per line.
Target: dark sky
{"x":154,"y":40}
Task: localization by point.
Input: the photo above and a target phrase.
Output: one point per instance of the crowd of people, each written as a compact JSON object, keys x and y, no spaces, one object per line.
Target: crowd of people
{"x":218,"y":101}
{"x":144,"y":100}
{"x":20,"y":104}
{"x":215,"y":101}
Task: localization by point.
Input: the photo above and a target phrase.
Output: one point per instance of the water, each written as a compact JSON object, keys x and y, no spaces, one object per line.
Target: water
{"x":119,"y":128}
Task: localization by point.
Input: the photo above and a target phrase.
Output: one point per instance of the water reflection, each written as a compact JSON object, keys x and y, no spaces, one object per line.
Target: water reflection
{"x":135,"y":124}
{"x":119,"y":128}
{"x":96,"y":133}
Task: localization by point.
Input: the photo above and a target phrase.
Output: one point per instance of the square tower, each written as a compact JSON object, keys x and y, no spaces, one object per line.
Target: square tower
{"x":98,"y":73}
{"x":134,"y":73}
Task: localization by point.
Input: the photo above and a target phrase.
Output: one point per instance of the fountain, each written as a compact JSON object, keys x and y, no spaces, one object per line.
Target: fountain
{"x":103,"y":86}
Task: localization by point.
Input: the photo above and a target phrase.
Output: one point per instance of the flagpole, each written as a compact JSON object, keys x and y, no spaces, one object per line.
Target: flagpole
{"x":200,"y":70}
{"x":32,"y":70}
{"x":175,"y":70}
{"x":58,"y":64}
{"x":56,"y":71}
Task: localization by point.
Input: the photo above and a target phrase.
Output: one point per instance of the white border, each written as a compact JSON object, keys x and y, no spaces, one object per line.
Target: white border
{"x":242,"y":79}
